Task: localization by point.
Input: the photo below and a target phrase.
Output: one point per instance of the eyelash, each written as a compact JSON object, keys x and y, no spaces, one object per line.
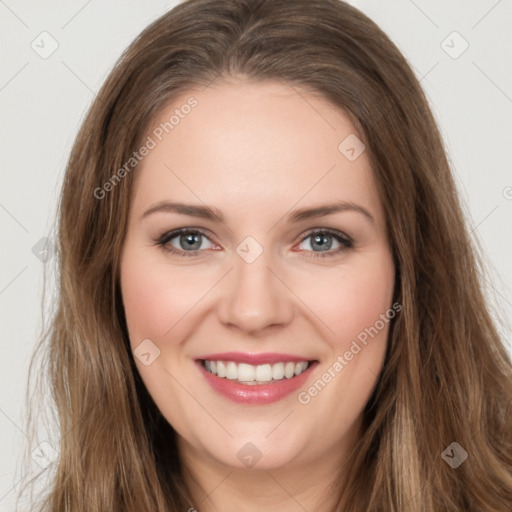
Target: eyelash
{"x":345,"y":241}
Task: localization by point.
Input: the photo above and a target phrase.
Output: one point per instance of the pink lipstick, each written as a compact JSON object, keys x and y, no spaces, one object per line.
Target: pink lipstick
{"x":255,"y":379}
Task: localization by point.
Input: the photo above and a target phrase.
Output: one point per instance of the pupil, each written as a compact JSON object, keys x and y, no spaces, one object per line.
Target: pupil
{"x":191,"y":241}
{"x":320,"y":241}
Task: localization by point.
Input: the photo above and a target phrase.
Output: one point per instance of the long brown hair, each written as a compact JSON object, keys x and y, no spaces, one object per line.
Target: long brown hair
{"x":446,"y":378}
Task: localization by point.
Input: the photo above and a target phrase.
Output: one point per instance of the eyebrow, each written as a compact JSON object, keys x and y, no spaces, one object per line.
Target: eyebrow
{"x":213,"y":214}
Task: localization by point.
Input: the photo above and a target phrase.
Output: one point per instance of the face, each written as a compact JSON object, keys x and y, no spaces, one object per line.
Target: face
{"x":256,"y":275}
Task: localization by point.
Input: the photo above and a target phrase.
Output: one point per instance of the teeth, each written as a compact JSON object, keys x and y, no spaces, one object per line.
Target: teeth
{"x":221,"y":369}
{"x":250,"y":374}
{"x":278,"y":371}
{"x":263,"y":373}
{"x":246,"y":372}
{"x":289,"y":370}
{"x":231,"y":371}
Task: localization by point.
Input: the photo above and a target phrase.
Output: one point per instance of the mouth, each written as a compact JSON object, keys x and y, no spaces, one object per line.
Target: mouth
{"x":253,"y":375}
{"x":255,"y":379}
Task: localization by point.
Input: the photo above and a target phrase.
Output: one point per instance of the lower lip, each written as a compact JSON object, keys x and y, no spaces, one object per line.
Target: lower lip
{"x":256,"y":394}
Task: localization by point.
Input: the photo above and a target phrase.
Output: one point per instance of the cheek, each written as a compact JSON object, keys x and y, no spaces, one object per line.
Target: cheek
{"x":157,"y":297}
{"x":353,"y":299}
{"x":358,"y":311}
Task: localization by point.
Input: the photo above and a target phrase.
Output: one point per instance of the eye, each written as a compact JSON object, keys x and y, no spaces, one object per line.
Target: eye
{"x":190,"y":242}
{"x":185,"y":241}
{"x":322,"y":241}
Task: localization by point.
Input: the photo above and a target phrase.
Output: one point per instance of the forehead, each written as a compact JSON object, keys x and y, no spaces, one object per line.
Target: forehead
{"x":252,"y":145}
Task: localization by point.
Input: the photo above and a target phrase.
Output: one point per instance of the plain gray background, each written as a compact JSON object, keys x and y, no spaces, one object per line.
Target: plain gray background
{"x":460,"y":50}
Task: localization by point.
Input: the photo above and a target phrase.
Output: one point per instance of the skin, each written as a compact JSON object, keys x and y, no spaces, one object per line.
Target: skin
{"x":255,"y":151}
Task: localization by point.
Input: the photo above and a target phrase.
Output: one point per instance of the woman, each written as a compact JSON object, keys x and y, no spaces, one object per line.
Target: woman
{"x":268,"y":296}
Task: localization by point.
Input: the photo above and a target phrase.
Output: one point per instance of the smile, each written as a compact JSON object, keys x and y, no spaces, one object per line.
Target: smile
{"x":255,"y":379}
{"x":255,"y":374}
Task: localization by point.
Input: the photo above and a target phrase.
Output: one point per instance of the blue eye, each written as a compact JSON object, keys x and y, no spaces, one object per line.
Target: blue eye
{"x":190,"y":242}
{"x":323,"y":239}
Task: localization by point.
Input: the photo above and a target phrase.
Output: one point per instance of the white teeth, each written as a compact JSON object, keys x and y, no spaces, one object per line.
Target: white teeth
{"x":263,"y":373}
{"x":278,"y":371}
{"x":246,"y":372}
{"x":251,"y":374}
{"x":221,"y":369}
{"x":231,"y":371}
{"x":289,"y":370}
{"x":300,"y":368}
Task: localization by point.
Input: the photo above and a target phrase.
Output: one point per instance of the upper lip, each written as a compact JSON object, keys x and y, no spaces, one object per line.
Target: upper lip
{"x":254,"y":359}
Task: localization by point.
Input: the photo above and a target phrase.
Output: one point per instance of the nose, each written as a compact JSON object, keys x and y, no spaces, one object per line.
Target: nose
{"x":255,"y":297}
